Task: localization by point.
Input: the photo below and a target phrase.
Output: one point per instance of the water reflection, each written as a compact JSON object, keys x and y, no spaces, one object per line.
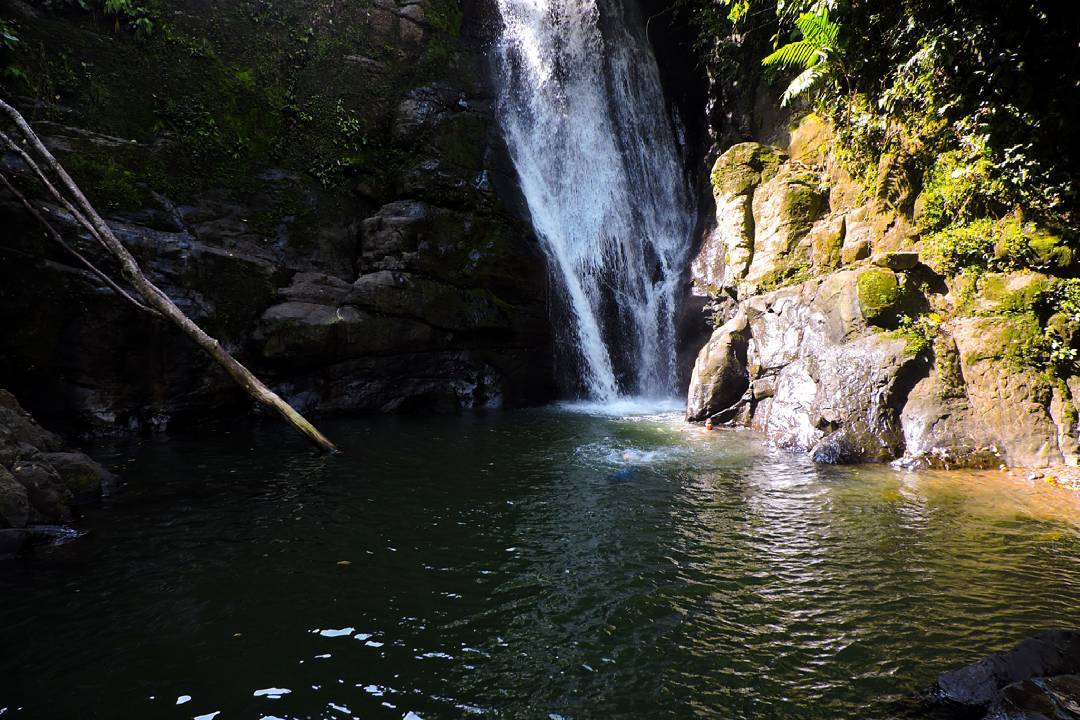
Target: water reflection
{"x":532,"y":564}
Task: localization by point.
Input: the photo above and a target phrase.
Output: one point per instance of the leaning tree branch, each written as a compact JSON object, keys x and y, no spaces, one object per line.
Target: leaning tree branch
{"x":57,"y":195}
{"x":59,"y":240}
{"x":87,"y":216}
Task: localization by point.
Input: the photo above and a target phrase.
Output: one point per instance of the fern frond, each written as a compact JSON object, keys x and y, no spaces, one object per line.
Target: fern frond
{"x":818,"y":29}
{"x":803,"y":82}
{"x":800,"y":54}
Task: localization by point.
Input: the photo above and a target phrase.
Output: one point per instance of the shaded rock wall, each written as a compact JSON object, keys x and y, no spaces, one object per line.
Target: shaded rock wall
{"x":321,"y":186}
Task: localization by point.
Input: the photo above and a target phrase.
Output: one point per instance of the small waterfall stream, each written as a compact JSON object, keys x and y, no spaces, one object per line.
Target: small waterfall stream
{"x":599,"y":161}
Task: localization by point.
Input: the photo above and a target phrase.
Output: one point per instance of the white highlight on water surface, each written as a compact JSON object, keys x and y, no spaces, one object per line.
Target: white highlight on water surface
{"x":272,"y":693}
{"x":330,"y":633}
{"x":598,"y":158}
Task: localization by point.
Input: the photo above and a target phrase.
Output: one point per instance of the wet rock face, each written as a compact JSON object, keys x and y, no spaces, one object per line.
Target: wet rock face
{"x":819,"y":377}
{"x":720,"y":376}
{"x":815,"y":381}
{"x":366,"y":234}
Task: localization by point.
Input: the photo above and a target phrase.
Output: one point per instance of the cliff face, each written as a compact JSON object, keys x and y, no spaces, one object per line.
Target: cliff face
{"x":839,"y":333}
{"x":321,"y":186}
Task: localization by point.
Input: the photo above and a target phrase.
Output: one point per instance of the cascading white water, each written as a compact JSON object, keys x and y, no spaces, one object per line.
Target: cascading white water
{"x":599,"y":162}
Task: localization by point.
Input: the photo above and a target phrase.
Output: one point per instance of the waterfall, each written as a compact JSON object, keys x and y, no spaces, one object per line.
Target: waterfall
{"x":599,"y":162}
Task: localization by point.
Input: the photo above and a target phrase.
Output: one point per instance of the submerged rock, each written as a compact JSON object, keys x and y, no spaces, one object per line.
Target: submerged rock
{"x":1052,"y":698}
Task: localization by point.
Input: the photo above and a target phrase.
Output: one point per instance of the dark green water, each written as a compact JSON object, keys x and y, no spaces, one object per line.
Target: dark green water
{"x":533,"y":564}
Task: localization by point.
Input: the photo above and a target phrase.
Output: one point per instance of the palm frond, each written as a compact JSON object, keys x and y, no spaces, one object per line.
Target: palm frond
{"x":799,"y":54}
{"x":818,"y":29}
{"x":803,"y":82}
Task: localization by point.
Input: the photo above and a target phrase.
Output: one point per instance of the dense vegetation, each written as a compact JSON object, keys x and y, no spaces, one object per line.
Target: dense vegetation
{"x":973,"y":99}
{"x":957,"y":114}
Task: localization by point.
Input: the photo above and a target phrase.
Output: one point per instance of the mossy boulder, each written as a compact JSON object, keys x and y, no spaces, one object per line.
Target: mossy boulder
{"x":1064,"y":326}
{"x":896,"y":259}
{"x":880,"y":294}
{"x":784,"y":210}
{"x":83,"y":477}
{"x":1050,"y":250}
{"x":743,"y":167}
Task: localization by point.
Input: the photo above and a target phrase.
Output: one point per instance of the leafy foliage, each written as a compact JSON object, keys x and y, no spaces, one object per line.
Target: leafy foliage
{"x":9,"y":41}
{"x":815,"y":54}
{"x":1005,"y":244}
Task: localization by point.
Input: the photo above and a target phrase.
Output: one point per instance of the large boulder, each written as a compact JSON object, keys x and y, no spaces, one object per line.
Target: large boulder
{"x":765,"y":207}
{"x":19,"y":434}
{"x":719,"y":378}
{"x":981,"y":684}
{"x":820,"y":380}
{"x":84,"y":477}
{"x":49,"y":497}
{"x":784,"y":210}
{"x":725,"y":255}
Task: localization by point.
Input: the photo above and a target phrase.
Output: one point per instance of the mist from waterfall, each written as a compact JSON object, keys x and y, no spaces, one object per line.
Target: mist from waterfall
{"x":599,"y":162}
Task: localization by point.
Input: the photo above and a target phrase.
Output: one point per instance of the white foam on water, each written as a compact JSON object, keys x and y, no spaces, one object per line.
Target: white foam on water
{"x":630,"y":407}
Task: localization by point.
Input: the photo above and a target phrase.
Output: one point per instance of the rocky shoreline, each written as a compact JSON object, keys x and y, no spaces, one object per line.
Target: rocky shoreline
{"x":43,"y":482}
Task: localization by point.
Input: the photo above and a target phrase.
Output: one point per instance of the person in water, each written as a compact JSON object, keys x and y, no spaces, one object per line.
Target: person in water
{"x":708,"y":424}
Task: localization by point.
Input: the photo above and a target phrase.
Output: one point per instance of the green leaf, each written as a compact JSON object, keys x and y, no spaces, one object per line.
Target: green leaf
{"x":802,"y":83}
{"x":801,"y":54}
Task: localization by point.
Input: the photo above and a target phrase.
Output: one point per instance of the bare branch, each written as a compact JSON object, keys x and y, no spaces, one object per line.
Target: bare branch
{"x":59,"y":240}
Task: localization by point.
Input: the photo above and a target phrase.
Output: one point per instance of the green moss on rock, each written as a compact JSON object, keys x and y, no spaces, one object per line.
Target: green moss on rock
{"x":1013,"y":292}
{"x":1007,"y":337}
{"x":744,"y":166}
{"x":801,"y":203}
{"x":879,"y":295}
